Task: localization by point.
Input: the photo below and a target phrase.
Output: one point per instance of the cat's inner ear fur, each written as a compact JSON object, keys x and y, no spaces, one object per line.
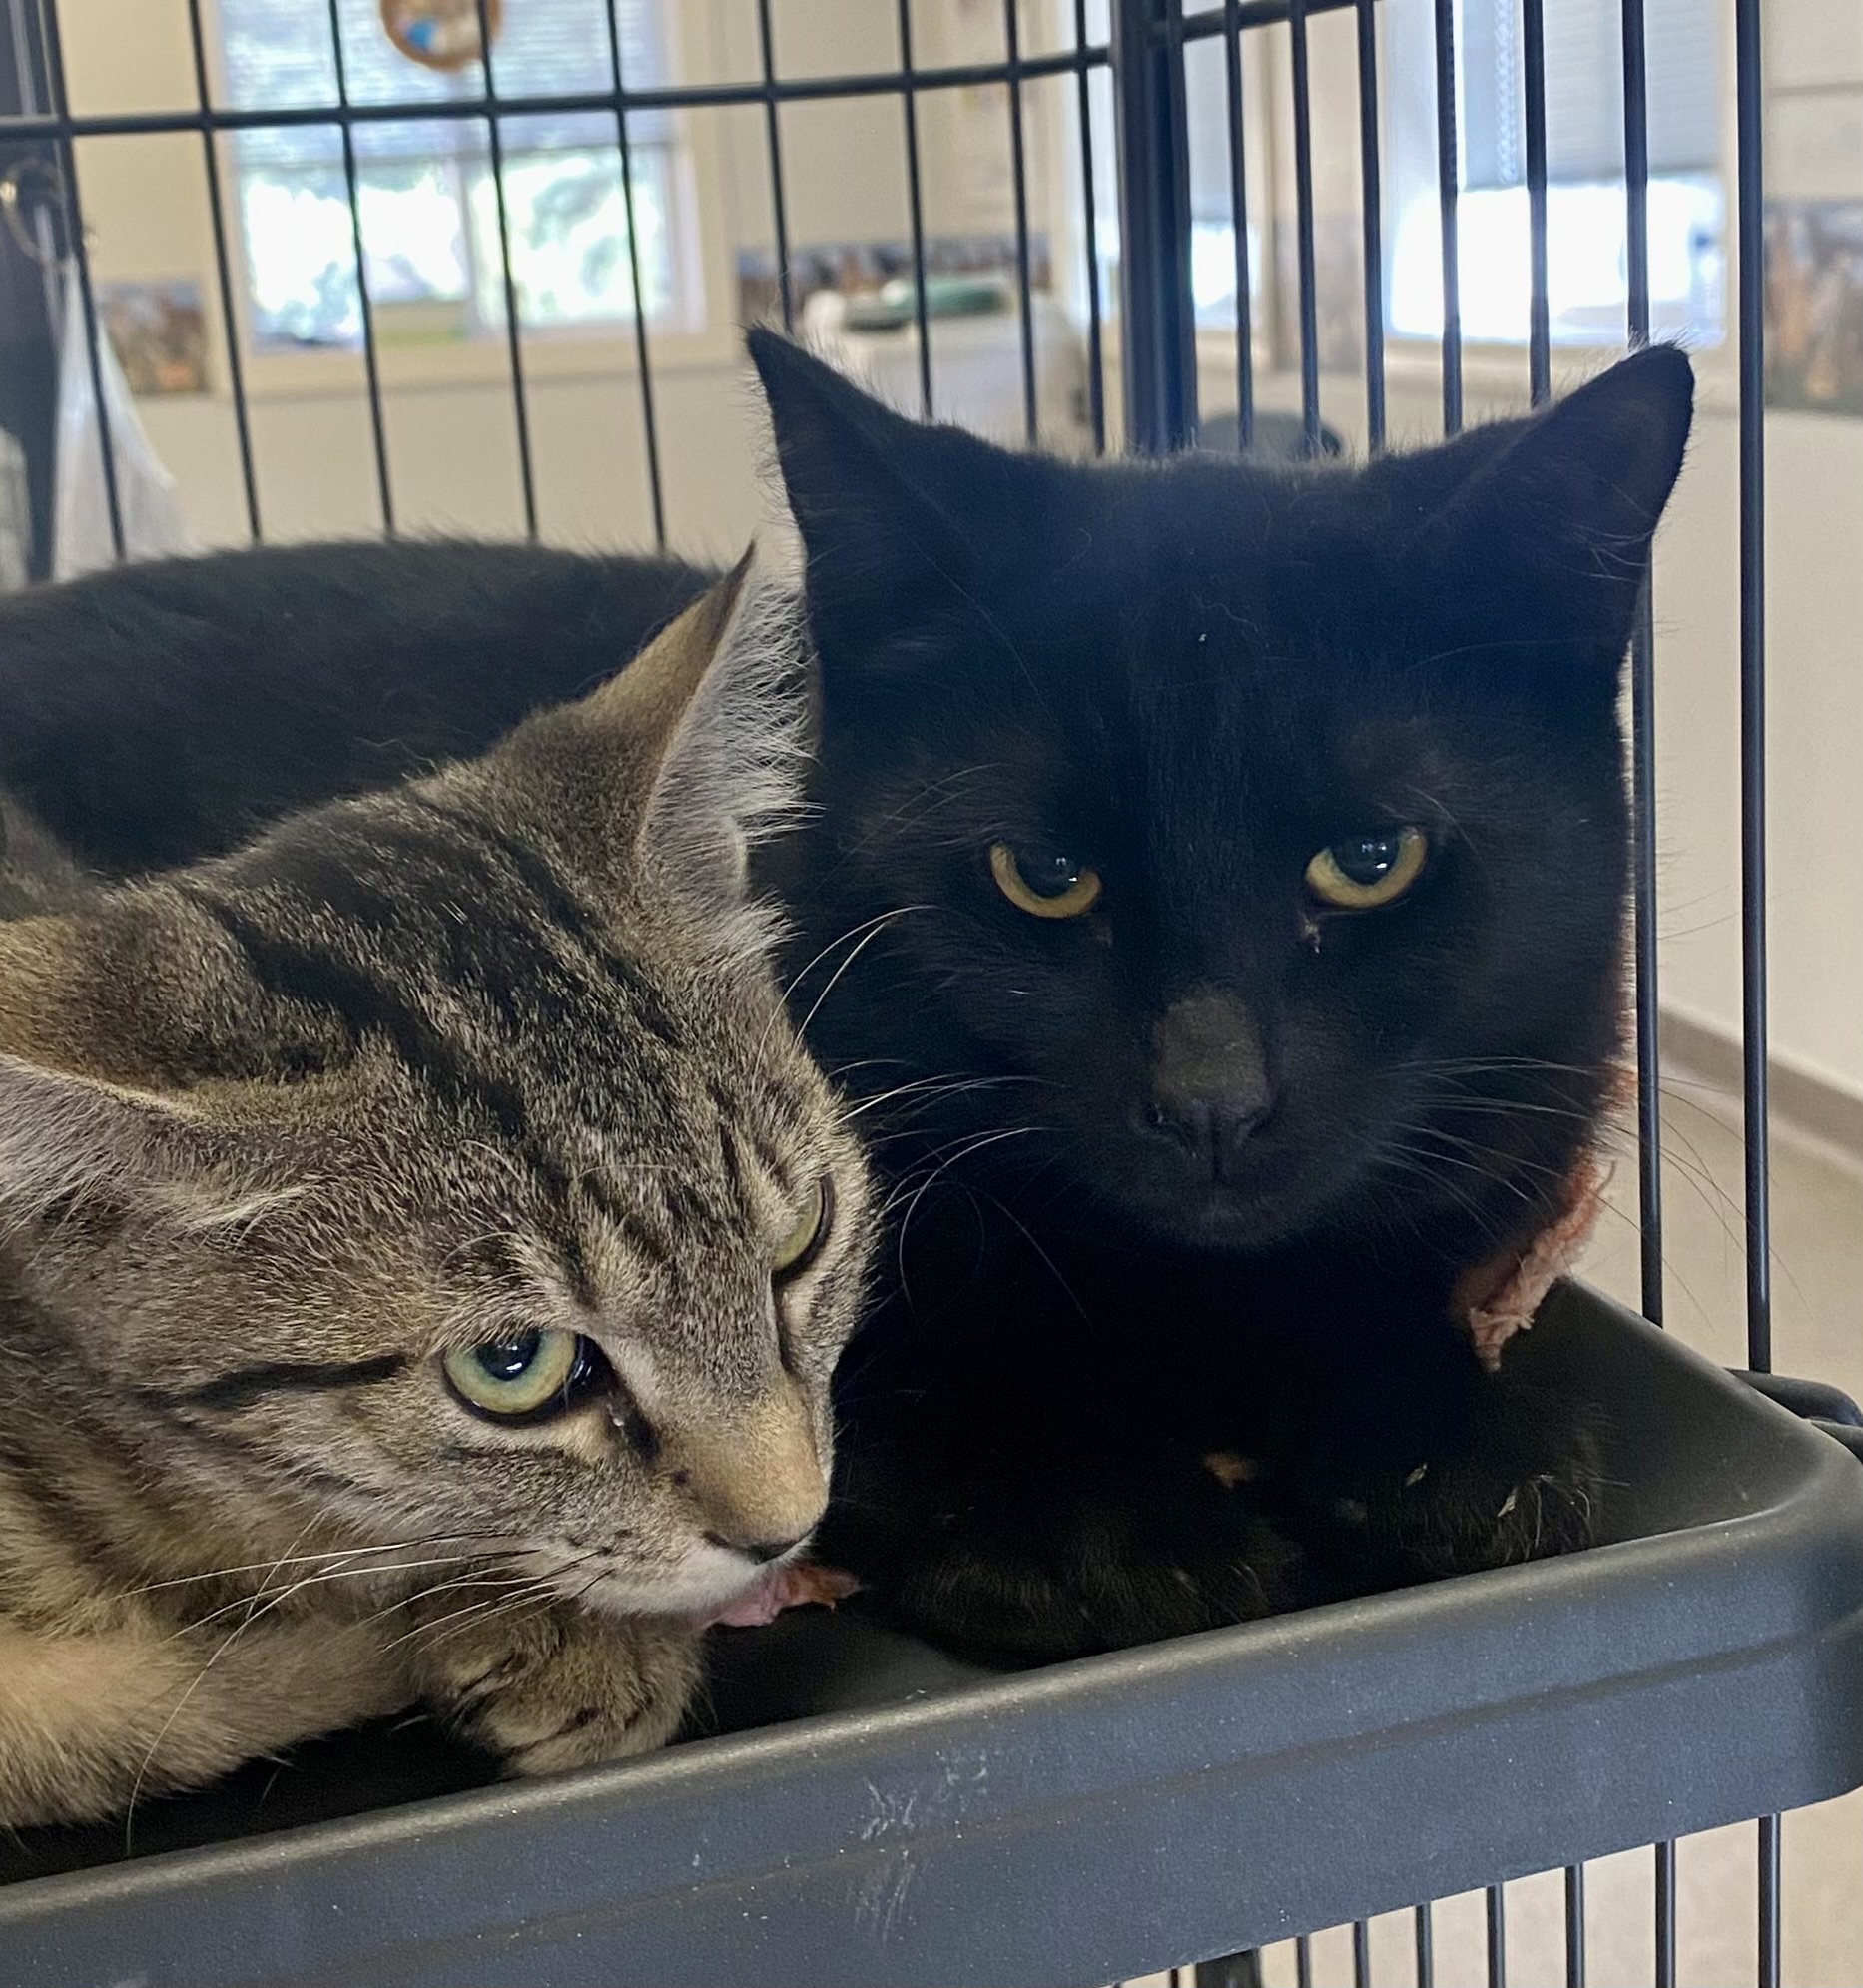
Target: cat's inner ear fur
{"x":86,"y":1118}
{"x":69,"y":1142}
{"x":680,"y":765}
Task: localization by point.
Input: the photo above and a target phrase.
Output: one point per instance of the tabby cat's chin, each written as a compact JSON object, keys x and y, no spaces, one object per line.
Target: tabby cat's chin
{"x":705,"y":1583}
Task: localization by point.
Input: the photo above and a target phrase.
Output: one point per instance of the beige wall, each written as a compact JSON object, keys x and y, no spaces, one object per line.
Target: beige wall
{"x":453,"y":454}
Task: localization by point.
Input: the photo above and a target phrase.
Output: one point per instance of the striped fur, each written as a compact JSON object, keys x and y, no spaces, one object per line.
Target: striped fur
{"x":494,"y":1051}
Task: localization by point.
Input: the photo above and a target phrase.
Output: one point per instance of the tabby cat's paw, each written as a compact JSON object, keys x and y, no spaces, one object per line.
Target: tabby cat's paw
{"x":564,"y":1688}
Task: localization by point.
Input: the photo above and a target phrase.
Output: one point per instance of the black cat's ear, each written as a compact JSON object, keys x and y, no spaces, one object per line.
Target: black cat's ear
{"x":1551,"y":538}
{"x":895,"y":517}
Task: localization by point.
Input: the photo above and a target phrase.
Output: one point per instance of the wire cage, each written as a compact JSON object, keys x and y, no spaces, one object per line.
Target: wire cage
{"x":1146,"y":327}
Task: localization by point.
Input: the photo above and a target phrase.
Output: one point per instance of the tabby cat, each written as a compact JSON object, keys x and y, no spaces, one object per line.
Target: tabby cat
{"x":425,"y":1251}
{"x":1215,"y":891}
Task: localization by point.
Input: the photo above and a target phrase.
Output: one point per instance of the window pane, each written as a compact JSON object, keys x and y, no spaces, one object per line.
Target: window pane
{"x":568,"y":227}
{"x":426,"y":196}
{"x":1586,"y":252}
{"x":1586,"y":247}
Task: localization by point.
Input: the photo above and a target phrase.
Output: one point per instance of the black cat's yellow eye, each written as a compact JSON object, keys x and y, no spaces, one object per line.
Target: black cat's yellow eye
{"x":524,"y":1375}
{"x":1045,"y":885}
{"x":803,"y":1242}
{"x":1364,"y":872}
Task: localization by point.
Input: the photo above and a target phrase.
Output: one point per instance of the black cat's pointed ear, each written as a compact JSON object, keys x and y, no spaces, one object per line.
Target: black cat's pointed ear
{"x":894,"y":517}
{"x":1553,"y":531}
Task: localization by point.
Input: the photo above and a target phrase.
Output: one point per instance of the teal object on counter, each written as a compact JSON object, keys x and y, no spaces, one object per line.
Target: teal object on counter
{"x":895,"y":303}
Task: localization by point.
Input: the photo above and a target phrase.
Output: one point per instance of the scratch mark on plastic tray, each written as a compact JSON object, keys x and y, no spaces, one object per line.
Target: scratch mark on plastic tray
{"x":879,"y":1895}
{"x":882,"y":1895}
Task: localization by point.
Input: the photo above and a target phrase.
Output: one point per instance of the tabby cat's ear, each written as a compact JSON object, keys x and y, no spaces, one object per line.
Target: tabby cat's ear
{"x":1551,"y":538}
{"x":893,"y":514}
{"x":69,"y":1141}
{"x":687,"y":757}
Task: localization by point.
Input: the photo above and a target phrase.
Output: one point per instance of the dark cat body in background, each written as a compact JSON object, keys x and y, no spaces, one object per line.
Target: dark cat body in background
{"x":161,"y":713}
{"x":1193,"y":1172}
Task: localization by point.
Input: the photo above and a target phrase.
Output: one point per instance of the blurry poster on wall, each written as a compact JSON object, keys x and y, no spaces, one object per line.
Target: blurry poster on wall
{"x":1814,"y":305}
{"x":160,"y":333}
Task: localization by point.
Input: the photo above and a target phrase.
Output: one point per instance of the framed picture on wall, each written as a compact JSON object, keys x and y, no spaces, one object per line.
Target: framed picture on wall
{"x":159,"y":332}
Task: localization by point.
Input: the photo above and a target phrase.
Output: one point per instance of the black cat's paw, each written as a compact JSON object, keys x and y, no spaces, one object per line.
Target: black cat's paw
{"x":1524,"y":1482}
{"x":1099,"y":1576}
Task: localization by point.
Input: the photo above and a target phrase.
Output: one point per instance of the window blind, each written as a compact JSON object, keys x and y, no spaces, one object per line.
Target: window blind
{"x":279,"y":55}
{"x":1584,"y":90}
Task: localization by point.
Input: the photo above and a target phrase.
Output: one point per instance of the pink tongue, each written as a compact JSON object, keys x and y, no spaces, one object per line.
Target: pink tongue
{"x":795,"y":1584}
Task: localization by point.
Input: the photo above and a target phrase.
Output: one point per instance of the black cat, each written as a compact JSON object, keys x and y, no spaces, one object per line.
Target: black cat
{"x":1216,"y":905}
{"x":1225,"y":870}
{"x":155,"y":714}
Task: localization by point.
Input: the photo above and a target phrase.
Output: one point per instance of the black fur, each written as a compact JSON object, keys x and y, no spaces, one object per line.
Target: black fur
{"x":161,"y":713}
{"x":1191,"y":676}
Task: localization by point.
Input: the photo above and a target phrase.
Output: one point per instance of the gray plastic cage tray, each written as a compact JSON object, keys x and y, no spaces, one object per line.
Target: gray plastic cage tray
{"x":916,"y":1821}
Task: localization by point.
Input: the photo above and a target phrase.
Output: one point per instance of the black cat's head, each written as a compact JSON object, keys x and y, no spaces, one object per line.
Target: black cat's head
{"x":1267,"y":828}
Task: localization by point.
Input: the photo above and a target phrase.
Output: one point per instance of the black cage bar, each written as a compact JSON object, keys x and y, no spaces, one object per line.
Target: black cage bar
{"x":1158,"y":337}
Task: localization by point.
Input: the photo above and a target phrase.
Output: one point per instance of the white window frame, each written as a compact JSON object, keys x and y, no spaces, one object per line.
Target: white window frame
{"x":698,"y":334}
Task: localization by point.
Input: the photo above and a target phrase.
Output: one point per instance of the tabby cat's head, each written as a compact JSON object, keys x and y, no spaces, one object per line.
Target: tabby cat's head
{"x":445,"y":1164}
{"x":1255,"y":839}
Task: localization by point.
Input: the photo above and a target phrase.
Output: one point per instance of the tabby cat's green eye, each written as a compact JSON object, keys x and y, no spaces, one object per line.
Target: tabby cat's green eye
{"x":803,"y":1242}
{"x":1364,"y":872}
{"x":1045,"y":885}
{"x":523,"y":1375}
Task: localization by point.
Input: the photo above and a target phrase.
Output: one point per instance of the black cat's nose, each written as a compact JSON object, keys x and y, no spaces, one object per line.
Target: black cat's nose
{"x":1209,"y":1087}
{"x":1211,"y":1129}
{"x":760,"y":1551}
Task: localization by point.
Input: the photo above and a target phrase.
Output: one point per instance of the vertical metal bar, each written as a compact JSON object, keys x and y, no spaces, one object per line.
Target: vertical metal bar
{"x":1238,"y":217}
{"x":1426,"y":1948}
{"x":1159,"y":322}
{"x":1665,"y":1915}
{"x":1302,"y":1962}
{"x":1303,"y":231}
{"x":1370,"y":205}
{"x":1031,"y":421}
{"x":1096,"y":383}
{"x":1361,"y":1954}
{"x":778,"y":210}
{"x":1539,"y":310}
{"x":513,"y":330}
{"x":1496,"y":1937}
{"x":236,"y":366}
{"x":372,"y":367}
{"x":1636,"y":171}
{"x":908,"y":105}
{"x":1574,"y":1926}
{"x":1747,"y":88}
{"x":87,"y":297}
{"x":1644,"y":700}
{"x":1448,"y":173}
{"x":649,"y":426}
{"x":1768,"y":1971}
